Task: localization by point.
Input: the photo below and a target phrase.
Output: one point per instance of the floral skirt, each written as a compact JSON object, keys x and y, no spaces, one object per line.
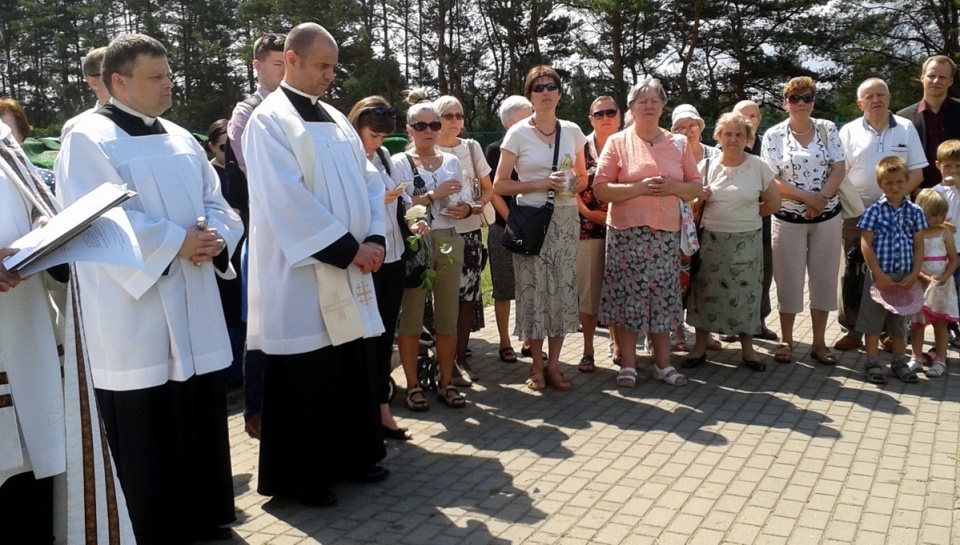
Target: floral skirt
{"x":641,"y":281}
{"x":474,"y":259}
{"x":546,"y":290}
{"x":725,"y":293}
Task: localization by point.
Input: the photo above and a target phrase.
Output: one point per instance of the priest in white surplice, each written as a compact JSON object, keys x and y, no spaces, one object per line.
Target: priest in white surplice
{"x":48,"y":424}
{"x":157,"y":336}
{"x":317,"y":233}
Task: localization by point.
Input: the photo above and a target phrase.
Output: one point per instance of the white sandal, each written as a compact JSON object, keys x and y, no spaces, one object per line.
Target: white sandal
{"x":937,"y":369}
{"x":627,"y":378}
{"x":671,"y":376}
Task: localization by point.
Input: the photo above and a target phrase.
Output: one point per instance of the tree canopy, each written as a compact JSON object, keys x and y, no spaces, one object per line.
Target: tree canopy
{"x":710,"y":53}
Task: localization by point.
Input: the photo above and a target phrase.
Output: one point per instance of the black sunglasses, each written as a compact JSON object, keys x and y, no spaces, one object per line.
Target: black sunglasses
{"x":598,"y":115}
{"x":271,"y":38}
{"x":545,"y":87}
{"x":390,"y":112}
{"x":421,"y":126}
{"x":452,"y":116}
{"x":222,"y":148}
{"x":793,"y":99}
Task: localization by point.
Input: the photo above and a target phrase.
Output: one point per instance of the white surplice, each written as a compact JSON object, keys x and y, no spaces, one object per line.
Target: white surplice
{"x":293,"y":218}
{"x":163,"y":322}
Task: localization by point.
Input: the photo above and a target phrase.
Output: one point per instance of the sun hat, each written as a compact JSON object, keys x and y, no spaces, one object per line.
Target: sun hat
{"x":905,"y":302}
{"x":686,"y":111}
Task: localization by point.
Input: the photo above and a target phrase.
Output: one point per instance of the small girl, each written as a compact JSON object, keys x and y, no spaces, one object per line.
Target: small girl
{"x":940,"y":296}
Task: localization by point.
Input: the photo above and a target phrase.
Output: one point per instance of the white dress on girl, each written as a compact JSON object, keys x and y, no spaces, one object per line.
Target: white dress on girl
{"x":939,"y":301}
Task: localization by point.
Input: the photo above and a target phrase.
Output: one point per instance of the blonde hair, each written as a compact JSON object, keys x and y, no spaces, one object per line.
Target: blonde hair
{"x":798,"y":84}
{"x":948,"y":150}
{"x":932,"y":203}
{"x":891,"y":166}
{"x":733,"y":117}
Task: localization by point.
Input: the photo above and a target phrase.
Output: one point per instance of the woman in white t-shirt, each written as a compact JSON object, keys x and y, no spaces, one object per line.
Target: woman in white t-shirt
{"x":546,"y":284}
{"x":476,"y":176}
{"x":434,"y":180}
{"x":725,"y":291}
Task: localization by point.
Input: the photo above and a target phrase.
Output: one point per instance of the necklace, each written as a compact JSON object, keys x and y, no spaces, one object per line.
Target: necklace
{"x":546,"y":134}
{"x":428,"y":166}
{"x":652,"y":140}
{"x":804,"y":133}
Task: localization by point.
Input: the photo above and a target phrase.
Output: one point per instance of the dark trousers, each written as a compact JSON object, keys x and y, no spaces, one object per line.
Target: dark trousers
{"x":26,"y":510}
{"x":847,"y":315}
{"x":765,"y":307}
{"x":254,"y":362}
{"x":388,"y":284}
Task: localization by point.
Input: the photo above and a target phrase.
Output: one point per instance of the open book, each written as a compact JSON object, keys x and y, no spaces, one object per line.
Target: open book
{"x":91,"y":229}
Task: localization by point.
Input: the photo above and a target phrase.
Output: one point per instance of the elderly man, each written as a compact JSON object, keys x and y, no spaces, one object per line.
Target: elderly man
{"x":92,"y":66}
{"x":866,"y":140}
{"x":317,"y":234}
{"x":157,"y":335}
{"x":937,"y":115}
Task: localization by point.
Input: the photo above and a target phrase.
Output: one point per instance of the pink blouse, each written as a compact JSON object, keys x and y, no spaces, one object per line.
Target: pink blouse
{"x":626,"y":158}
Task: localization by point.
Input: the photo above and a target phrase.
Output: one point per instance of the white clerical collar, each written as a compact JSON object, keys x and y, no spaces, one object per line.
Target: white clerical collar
{"x":124,"y":108}
{"x":313,"y":98}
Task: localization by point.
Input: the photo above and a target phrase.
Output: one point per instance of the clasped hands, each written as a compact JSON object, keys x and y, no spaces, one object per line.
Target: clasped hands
{"x":201,"y":246}
{"x":884,"y":282}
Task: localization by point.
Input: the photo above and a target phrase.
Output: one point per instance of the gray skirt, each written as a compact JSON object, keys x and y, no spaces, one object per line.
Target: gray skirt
{"x":501,"y":265}
{"x":546,"y":291}
{"x":725,"y":293}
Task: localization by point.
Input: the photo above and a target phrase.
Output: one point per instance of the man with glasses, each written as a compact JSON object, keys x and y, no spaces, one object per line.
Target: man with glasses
{"x":92,"y":63}
{"x":317,"y":235}
{"x":937,"y":115}
{"x":157,"y":340}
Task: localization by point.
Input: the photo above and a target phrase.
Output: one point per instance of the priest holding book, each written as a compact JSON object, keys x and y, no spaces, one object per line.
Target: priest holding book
{"x":157,"y":338}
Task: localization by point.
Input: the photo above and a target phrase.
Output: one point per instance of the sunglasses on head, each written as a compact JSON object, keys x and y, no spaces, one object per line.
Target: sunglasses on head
{"x":421,"y":126}
{"x":452,"y":116}
{"x":611,"y":113}
{"x":545,"y":87}
{"x":793,"y":99}
{"x":390,"y":112}
{"x":271,"y":38}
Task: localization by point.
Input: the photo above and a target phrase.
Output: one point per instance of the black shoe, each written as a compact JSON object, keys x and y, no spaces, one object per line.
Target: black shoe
{"x":375,"y":474}
{"x":693,"y":363}
{"x":399,"y":434}
{"x":322,"y":497}
{"x":213,"y":533}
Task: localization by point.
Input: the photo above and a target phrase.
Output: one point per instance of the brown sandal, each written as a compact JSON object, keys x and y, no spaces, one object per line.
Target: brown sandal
{"x":783,"y":353}
{"x":535,"y":381}
{"x":557,"y":381}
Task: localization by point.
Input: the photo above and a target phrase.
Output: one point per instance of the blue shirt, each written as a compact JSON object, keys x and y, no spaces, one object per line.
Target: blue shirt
{"x":893,"y":230}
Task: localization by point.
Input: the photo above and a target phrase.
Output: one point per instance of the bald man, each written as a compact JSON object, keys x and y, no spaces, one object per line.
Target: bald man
{"x":317,"y":235}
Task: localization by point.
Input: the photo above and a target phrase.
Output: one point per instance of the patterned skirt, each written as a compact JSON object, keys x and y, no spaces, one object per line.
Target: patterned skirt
{"x":501,"y":265}
{"x":725,"y":292}
{"x":546,"y":290}
{"x":641,"y":281}
{"x":474,"y":259}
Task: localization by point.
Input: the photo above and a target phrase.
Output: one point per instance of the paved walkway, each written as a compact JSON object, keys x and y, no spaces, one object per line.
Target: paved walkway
{"x":802,"y":454}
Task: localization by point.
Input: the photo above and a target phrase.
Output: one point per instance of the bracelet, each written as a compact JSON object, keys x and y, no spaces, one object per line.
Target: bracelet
{"x":429,"y":195}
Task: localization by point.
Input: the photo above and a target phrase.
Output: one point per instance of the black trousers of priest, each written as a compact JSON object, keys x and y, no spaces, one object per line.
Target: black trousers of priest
{"x":320,"y":420}
{"x":172,"y":453}
{"x":26,"y":510}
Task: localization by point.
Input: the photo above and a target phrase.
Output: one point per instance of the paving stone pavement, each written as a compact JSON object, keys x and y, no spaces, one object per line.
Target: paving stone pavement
{"x":803,"y":453}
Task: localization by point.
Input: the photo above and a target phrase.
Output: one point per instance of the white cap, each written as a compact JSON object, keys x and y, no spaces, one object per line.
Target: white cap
{"x":686,"y":111}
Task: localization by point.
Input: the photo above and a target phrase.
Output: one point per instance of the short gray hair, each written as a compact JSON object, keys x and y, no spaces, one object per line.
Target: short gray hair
{"x":645,"y":84}
{"x":419,"y":108}
{"x":511,"y":106}
{"x":446,"y":102}
{"x":870,"y":82}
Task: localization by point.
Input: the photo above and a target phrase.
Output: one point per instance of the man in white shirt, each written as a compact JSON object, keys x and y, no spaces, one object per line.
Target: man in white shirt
{"x":866,"y":140}
{"x":157,"y":337}
{"x":92,"y":67}
{"x":317,"y":234}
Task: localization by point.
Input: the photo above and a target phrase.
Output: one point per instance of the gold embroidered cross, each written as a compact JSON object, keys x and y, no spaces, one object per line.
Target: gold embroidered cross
{"x":363,"y":293}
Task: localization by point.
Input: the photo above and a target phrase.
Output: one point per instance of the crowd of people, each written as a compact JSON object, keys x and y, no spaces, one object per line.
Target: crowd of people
{"x":293,"y":252}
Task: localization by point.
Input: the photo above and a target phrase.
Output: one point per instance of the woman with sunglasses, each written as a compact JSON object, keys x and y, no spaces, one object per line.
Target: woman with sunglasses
{"x":375,"y":119}
{"x":605,"y":119}
{"x":546,"y":284}
{"x":808,"y":164}
{"x":435,"y":181}
{"x":476,"y":173}
{"x":216,"y":148}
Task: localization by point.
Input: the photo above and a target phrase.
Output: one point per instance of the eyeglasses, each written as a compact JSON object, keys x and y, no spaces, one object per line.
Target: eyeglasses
{"x":271,"y":38}
{"x":97,"y":75}
{"x":421,"y":126}
{"x":390,"y":112}
{"x":452,"y":116}
{"x":794,"y":99}
{"x":222,"y":148}
{"x":611,"y":113}
{"x":545,"y":87}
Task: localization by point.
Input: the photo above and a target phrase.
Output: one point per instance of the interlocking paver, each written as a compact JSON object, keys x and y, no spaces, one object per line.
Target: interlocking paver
{"x":803,"y":453}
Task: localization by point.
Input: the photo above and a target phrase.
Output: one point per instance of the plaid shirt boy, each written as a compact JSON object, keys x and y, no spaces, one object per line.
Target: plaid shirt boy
{"x":893,"y":230}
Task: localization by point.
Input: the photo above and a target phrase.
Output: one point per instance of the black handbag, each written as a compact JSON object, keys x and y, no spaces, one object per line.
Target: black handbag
{"x":419,"y":260}
{"x":527,"y":225}
{"x":854,"y":276}
{"x":695,"y":258}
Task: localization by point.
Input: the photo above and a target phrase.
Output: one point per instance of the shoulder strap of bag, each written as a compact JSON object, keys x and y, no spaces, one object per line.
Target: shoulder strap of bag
{"x":556,"y":159}
{"x":822,"y":131}
{"x":416,"y":173}
{"x":383,"y":159}
{"x":706,"y":172}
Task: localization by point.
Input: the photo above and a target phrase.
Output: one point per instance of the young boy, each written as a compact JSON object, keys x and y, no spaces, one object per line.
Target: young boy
{"x":892,"y":247}
{"x":948,"y":163}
